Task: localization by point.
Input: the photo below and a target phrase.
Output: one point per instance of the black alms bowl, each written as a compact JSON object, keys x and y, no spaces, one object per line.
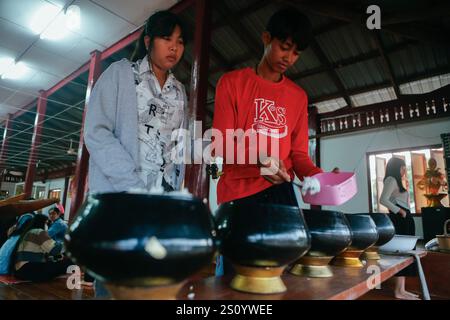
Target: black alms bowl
{"x":364,"y":231}
{"x":330,"y":232}
{"x":139,"y":239}
{"x":384,"y":225}
{"x":261,"y":235}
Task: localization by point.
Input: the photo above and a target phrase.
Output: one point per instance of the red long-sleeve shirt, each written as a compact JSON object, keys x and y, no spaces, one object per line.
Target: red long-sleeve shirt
{"x":269,"y":110}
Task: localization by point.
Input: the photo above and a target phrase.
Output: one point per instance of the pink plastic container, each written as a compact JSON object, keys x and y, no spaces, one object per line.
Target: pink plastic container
{"x":335,"y":189}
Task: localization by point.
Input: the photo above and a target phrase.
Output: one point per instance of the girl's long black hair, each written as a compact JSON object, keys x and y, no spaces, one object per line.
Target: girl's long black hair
{"x":393,"y":170}
{"x":159,"y":24}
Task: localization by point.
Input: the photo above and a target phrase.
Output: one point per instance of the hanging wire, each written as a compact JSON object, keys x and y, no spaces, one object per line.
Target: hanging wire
{"x":46,"y":143}
{"x":24,"y":131}
{"x":27,"y":124}
{"x":61,"y":119}
{"x":44,"y":150}
{"x":21,"y":145}
{"x":48,"y":118}
{"x":34,"y":96}
{"x":27,"y":141}
{"x":41,"y":155}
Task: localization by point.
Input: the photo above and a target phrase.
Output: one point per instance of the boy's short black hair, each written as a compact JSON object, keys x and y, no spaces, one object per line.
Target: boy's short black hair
{"x":291,"y":23}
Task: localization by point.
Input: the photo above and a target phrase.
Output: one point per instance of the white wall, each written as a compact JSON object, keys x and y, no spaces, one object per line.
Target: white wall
{"x":58,"y":184}
{"x":9,"y":186}
{"x":348,"y":152}
{"x":49,"y":185}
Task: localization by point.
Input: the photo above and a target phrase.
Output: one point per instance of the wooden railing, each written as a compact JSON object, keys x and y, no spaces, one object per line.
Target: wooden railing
{"x":408,"y":108}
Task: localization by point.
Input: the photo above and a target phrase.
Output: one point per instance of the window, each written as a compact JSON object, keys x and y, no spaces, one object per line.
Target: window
{"x":54,"y":194}
{"x":416,"y":165}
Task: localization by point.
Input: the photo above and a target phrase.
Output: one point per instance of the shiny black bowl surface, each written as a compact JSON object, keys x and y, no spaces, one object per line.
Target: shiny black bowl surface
{"x":138,"y":239}
{"x":261,"y":235}
{"x":385,"y":227}
{"x":364,"y":231}
{"x":330,"y":232}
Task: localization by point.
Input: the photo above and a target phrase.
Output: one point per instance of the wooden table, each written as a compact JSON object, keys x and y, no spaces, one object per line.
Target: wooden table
{"x":346,"y":284}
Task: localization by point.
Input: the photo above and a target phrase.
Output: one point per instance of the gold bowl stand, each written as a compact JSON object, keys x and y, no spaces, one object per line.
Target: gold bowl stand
{"x":263,"y":280}
{"x":371,"y":253}
{"x":313,"y":267}
{"x":156,"y":289}
{"x":349,"y":258}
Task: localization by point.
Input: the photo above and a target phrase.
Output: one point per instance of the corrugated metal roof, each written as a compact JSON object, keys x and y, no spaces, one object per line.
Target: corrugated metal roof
{"x":318,"y":85}
{"x":330,"y":105}
{"x":307,"y":61}
{"x":362,"y":74}
{"x":390,"y":39}
{"x":345,"y":42}
{"x":256,"y":21}
{"x":416,"y":60}
{"x":227,"y":43}
{"x":425,"y":85}
{"x":375,"y":96}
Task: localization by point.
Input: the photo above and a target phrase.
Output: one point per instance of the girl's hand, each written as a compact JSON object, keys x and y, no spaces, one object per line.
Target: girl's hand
{"x":402,"y":213}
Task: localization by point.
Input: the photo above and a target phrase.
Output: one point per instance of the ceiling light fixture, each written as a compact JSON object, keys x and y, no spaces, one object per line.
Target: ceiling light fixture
{"x":9,"y":69}
{"x":73,"y":18}
{"x":52,"y":23}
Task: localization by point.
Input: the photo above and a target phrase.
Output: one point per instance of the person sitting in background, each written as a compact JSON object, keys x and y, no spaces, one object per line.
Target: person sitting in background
{"x":30,"y":257}
{"x":19,"y":223}
{"x":58,"y":226}
{"x":13,"y":236}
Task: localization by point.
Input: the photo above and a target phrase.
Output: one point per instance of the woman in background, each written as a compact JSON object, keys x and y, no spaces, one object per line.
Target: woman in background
{"x":396,"y":198}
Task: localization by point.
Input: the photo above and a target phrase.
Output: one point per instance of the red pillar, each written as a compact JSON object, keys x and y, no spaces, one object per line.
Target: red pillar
{"x":314,"y":130}
{"x":81,"y":170}
{"x":197,"y":181}
{"x":66,"y":188}
{"x":35,"y":142}
{"x":6,"y":135}
{"x":4,"y":150}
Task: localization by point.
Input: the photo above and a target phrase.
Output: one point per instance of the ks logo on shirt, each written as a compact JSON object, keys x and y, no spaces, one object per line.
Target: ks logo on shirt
{"x":270,"y":120}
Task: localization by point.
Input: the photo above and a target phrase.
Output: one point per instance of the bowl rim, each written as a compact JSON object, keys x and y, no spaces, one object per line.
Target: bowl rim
{"x":100,"y":195}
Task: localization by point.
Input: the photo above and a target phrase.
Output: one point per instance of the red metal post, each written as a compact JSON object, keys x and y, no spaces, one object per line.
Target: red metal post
{"x":314,"y":130}
{"x":197,"y":181}
{"x":66,"y":188}
{"x":35,"y":141}
{"x":6,"y":134}
{"x":83,"y":154}
{"x":4,"y":150}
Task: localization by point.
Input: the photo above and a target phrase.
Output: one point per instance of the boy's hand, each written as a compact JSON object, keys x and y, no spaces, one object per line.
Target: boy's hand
{"x":310,"y":184}
{"x":274,"y":171}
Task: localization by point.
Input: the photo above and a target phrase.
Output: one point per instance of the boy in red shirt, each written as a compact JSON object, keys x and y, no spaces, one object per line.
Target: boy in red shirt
{"x":263,"y":102}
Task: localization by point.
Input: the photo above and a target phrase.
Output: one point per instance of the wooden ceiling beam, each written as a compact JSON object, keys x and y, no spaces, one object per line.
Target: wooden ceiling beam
{"x":389,"y":70}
